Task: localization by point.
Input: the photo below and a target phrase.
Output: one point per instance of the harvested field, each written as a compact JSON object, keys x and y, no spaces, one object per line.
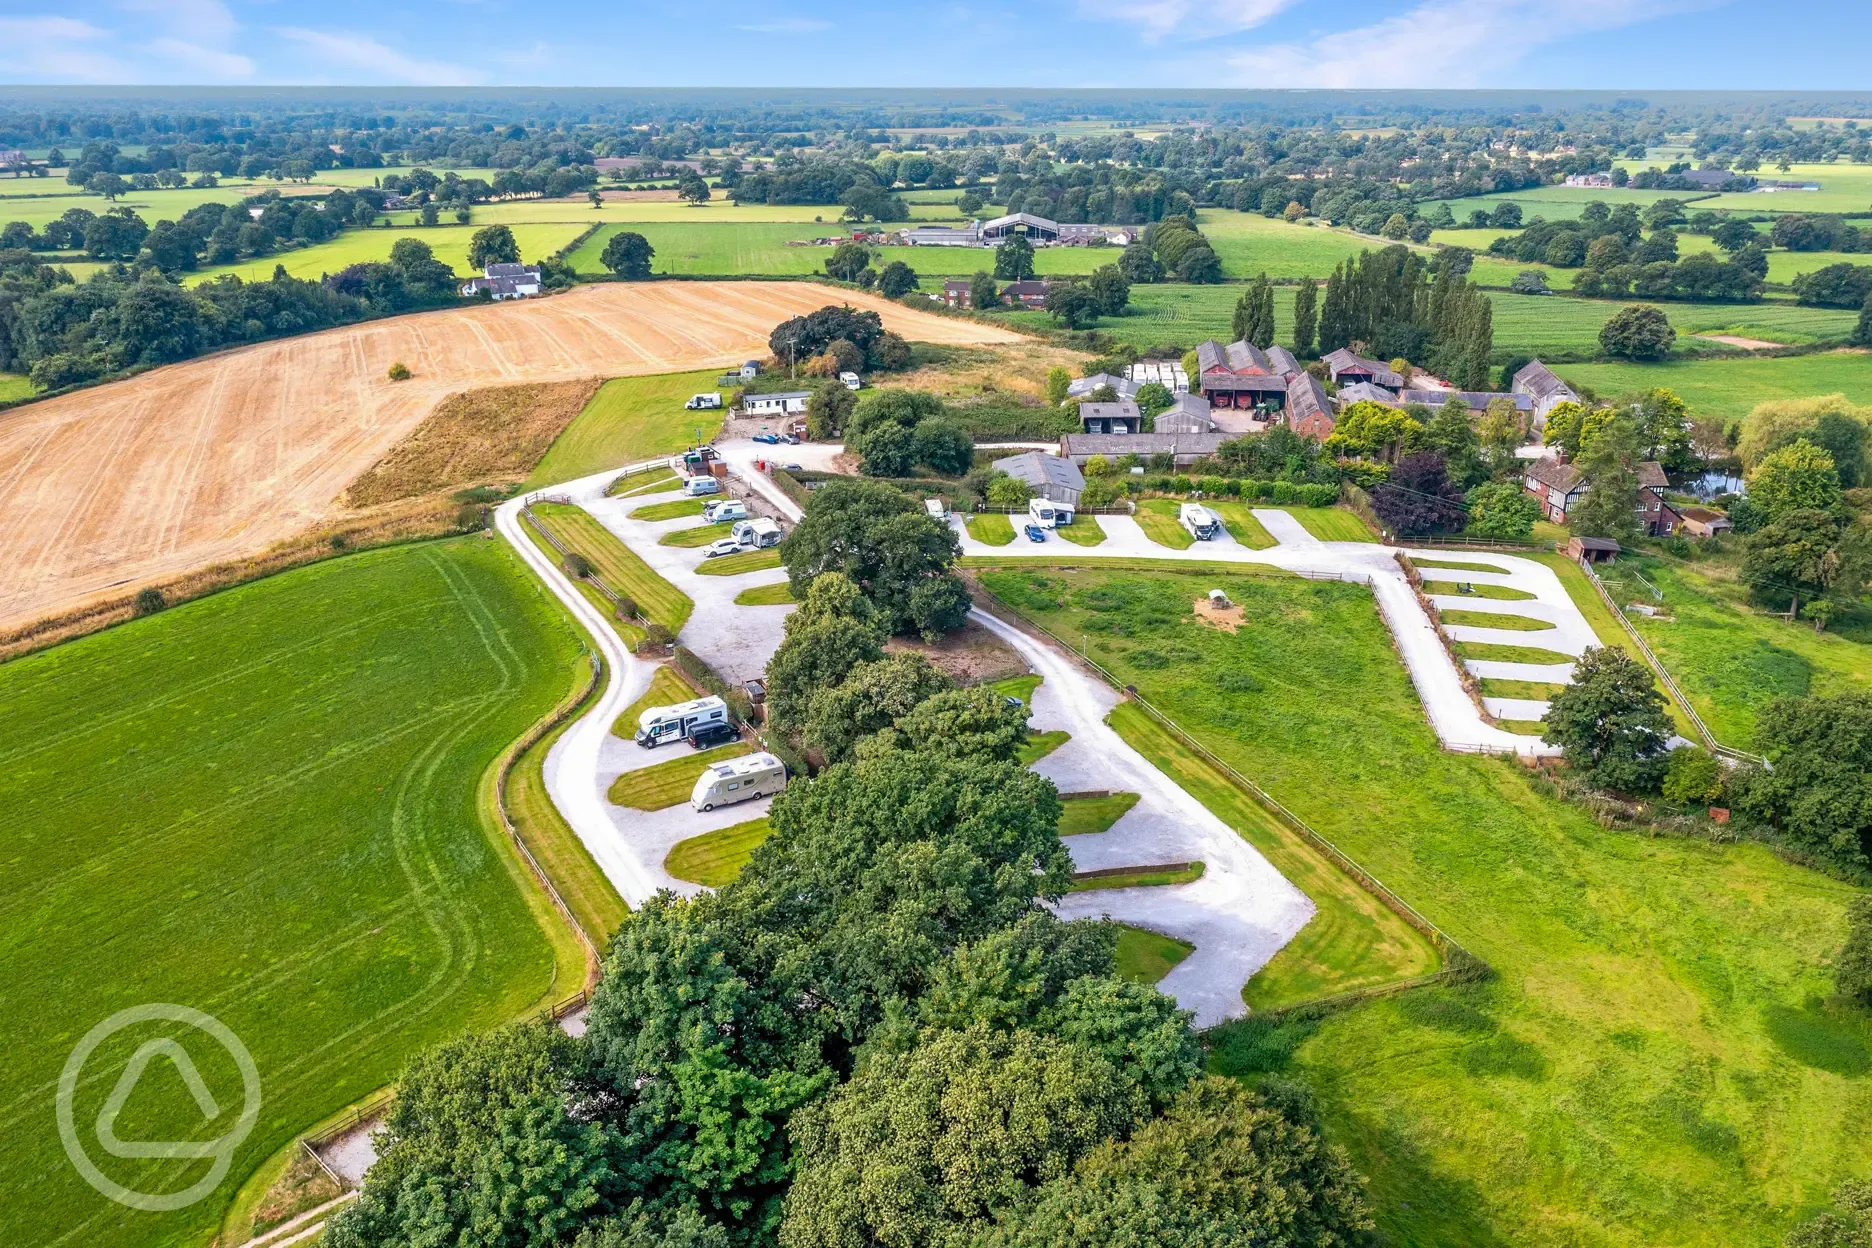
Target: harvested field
{"x":219,"y":458}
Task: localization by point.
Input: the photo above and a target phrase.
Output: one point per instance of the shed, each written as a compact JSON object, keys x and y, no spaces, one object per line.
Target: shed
{"x":1189,"y":414}
{"x":1704,"y":522}
{"x":1592,"y":549}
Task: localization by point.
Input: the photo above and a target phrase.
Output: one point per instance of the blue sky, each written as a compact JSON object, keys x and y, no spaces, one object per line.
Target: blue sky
{"x":1635,"y":44}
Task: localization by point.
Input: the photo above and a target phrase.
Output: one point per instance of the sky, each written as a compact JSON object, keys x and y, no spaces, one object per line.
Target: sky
{"x":1608,"y":44}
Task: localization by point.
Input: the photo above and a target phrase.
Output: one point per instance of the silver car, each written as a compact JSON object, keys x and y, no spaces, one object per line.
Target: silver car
{"x":721,"y":546}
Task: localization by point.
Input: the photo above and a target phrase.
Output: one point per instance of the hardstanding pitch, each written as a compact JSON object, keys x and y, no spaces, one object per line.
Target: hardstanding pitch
{"x":215,"y":459}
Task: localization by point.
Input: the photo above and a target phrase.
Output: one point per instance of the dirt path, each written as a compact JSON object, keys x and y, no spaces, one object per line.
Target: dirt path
{"x":219,"y":458}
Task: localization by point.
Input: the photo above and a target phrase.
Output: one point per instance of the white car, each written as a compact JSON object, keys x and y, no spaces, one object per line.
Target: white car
{"x":721,"y":546}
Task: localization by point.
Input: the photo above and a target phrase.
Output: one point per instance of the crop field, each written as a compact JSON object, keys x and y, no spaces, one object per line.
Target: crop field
{"x":1731,"y":388}
{"x":449,"y":242}
{"x":1652,"y":1062}
{"x":760,"y":248}
{"x":629,"y":420}
{"x":266,"y":805}
{"x":220,"y":457}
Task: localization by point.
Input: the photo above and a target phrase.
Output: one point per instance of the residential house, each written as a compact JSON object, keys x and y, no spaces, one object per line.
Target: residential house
{"x":1540,"y":383}
{"x":1347,"y":368}
{"x":779,"y":403}
{"x":1239,"y":375}
{"x":505,"y":281}
{"x":1050,"y":477}
{"x":1657,"y":517}
{"x":1189,"y":414}
{"x":956,"y":292}
{"x":1029,"y":293}
{"x":1477,"y":400}
{"x":1556,"y":486}
{"x":1309,"y":411}
{"x":1595,"y":180}
{"x":1123,"y":387}
{"x":1121,"y":417}
{"x":1184,"y":449}
{"x":1704,"y":522}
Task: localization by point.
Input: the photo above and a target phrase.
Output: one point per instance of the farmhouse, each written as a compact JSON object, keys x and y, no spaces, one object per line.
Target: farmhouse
{"x":779,"y":403}
{"x":1658,"y":518}
{"x":505,"y":281}
{"x":1596,"y":180}
{"x":1189,"y":414}
{"x":1030,"y":293}
{"x":1540,"y":383}
{"x":1123,"y":387}
{"x":1555,"y":486}
{"x":955,"y":292}
{"x":1049,"y":476}
{"x":1183,"y":449}
{"x":1347,"y":368}
{"x":1309,"y":411}
{"x":1121,"y":417}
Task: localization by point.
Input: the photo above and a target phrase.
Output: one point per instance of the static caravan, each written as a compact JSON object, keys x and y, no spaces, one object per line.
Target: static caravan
{"x":1048,"y":514}
{"x":1203,"y":524}
{"x":744,"y":779}
{"x":760,"y":532}
{"x":673,"y":723}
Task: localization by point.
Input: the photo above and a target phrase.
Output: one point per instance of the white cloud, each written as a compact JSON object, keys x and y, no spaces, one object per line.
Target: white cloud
{"x":210,"y":62}
{"x":1161,"y":17}
{"x":58,"y":48}
{"x":788,"y":26}
{"x":378,"y":60}
{"x":204,"y":22}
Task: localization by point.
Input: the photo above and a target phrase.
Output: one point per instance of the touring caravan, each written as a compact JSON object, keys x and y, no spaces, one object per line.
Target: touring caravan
{"x":724,"y":510}
{"x":1048,"y":514}
{"x":673,"y":723}
{"x":696,"y":487}
{"x":760,"y":532}
{"x":934,"y":509}
{"x":742,"y":779}
{"x":1202,"y":523}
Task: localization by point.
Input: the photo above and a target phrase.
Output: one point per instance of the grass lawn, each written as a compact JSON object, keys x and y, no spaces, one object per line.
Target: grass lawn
{"x":1731,"y":388}
{"x":716,"y":858}
{"x":1144,"y":956}
{"x":1140,"y":879}
{"x":14,"y":387}
{"x":1451,"y":563}
{"x":1158,"y":518}
{"x":1331,"y":524}
{"x":1507,"y":654}
{"x":666,"y":689}
{"x":1021,"y":687}
{"x":735,"y":565}
{"x":1239,"y":519}
{"x":1533,"y":690}
{"x":1040,"y":744}
{"x":662,"y":785}
{"x":991,"y":528}
{"x":1488,"y":619}
{"x":1522,"y":727}
{"x":617,"y":565}
{"x":1086,"y":815}
{"x":1498,"y":593}
{"x":1652,"y":1063}
{"x":652,"y":482}
{"x":675,"y":509}
{"x":273,"y":805}
{"x":700,"y":535}
{"x":449,"y":242}
{"x":778,"y":594}
{"x":629,"y":420}
{"x":1083,"y":531}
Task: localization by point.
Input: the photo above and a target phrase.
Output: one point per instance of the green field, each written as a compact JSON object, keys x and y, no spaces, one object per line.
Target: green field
{"x":629,"y":420}
{"x":1843,"y":188}
{"x":1144,"y":956}
{"x":449,"y":242}
{"x":716,"y":858}
{"x":727,"y":248}
{"x":617,"y":565}
{"x":1652,"y":1063}
{"x":266,"y":805}
{"x":1565,"y":203}
{"x":1249,"y":244}
{"x":1158,"y":518}
{"x":1730,"y":389}
{"x":662,"y":785}
{"x":14,"y":387}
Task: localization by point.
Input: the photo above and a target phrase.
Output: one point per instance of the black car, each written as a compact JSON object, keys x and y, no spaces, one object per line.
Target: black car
{"x":712,"y":735}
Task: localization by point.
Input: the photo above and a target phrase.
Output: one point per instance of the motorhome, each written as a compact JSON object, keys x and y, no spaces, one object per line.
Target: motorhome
{"x":760,"y":532}
{"x":744,"y":779}
{"x":673,"y":723}
{"x":724,"y":510}
{"x":704,"y":402}
{"x":933,"y":507}
{"x":696,"y":487}
{"x":1203,"y":524}
{"x":1048,"y":514}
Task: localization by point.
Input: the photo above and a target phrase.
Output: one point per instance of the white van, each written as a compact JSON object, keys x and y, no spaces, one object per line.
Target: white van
{"x":1202,"y":523}
{"x":723,"y":510}
{"x":744,"y":779}
{"x":673,"y":723}
{"x":1048,"y":514}
{"x":704,"y":402}
{"x":696,"y":487}
{"x":760,"y":532}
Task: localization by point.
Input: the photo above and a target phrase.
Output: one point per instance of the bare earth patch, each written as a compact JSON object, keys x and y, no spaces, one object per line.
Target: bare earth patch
{"x":1228,"y":619}
{"x":1732,"y":340}
{"x":968,"y":656}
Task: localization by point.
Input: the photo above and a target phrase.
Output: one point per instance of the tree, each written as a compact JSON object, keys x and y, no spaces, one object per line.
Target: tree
{"x":1734,"y":235}
{"x":965,"y":723}
{"x":832,"y":632}
{"x":1153,"y":397}
{"x":693,"y":189}
{"x":896,"y":279}
{"x":889,"y":451}
{"x":1530,"y":282}
{"x":628,"y":255}
{"x":1058,"y":382}
{"x":492,"y":244}
{"x":872,"y":697}
{"x":1452,"y":434}
{"x":1014,"y":259}
{"x":1844,"y":438}
{"x":1611,"y":722}
{"x":1254,"y":314}
{"x":1862,"y":330}
{"x":827,"y":409}
{"x":1501,"y":429}
{"x":1009,"y":492}
{"x":1836,"y":286}
{"x":879,"y":538}
{"x":1692,"y":777}
{"x":803,"y":337}
{"x":1852,"y":969}
{"x":431,"y":213}
{"x":848,"y":261}
{"x":109,"y":185}
{"x":1226,"y":1165}
{"x":1637,"y":332}
{"x":1200,"y":266}
{"x":1847,"y":1225}
{"x":1791,"y":558}
{"x":1306,"y":317}
{"x":1139,"y":264}
{"x":1418,"y":496}
{"x":1798,"y":477}
{"x":1111,"y":289}
{"x":1664,"y":428}
{"x":1608,"y":462}
{"x":1818,"y":795}
{"x":943,"y":446}
{"x":983,"y":292}
{"x":1501,"y":509}
{"x":1071,"y":304}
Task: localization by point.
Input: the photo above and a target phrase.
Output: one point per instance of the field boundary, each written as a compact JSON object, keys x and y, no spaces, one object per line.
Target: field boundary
{"x":1459,"y":963}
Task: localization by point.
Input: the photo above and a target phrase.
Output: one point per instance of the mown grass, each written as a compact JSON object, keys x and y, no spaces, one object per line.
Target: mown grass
{"x":776,"y":595}
{"x":271,"y":804}
{"x":1489,"y":619}
{"x":653,"y":482}
{"x":673,"y":509}
{"x":1239,"y":519}
{"x":1083,"y":531}
{"x":1158,"y":518}
{"x":1497,"y":593}
{"x":1021,"y":687}
{"x":1144,"y":878}
{"x":1331,"y":524}
{"x":991,"y":528}
{"x":617,"y":565}
{"x":1534,"y":690}
{"x":662,"y":785}
{"x":1040,"y":744}
{"x":1522,"y":727}
{"x":1508,"y":654}
{"x":1454,"y":564}
{"x":1144,"y":956}
{"x":14,"y":387}
{"x":1084,"y":816}
{"x":666,"y":689}
{"x":735,"y":565}
{"x":629,"y":420}
{"x":1628,"y":1076}
{"x":700,"y":535}
{"x":716,"y":858}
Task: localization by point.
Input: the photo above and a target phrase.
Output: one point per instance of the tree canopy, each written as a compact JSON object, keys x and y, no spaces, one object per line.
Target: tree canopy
{"x":1611,"y":722}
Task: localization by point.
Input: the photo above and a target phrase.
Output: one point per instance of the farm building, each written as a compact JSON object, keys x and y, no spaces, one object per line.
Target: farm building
{"x":1167,"y":373}
{"x":1595,"y":180}
{"x":1309,"y":411}
{"x":780,"y":403}
{"x":1363,"y":392}
{"x":505,"y":281}
{"x":944,"y":235}
{"x":1183,"y":449}
{"x":1037,"y":229}
{"x":1705,"y":522}
{"x":1189,"y":414}
{"x":750,"y":369}
{"x":1239,"y":375}
{"x":1123,"y":387}
{"x":1048,"y":476}
{"x":1540,"y":383}
{"x":1030,"y":293}
{"x":1477,"y":400}
{"x":1121,"y":417}
{"x":1347,"y":368}
{"x":1283,"y":362}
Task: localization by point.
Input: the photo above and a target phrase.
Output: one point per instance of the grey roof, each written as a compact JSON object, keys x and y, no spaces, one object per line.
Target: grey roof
{"x":1026,"y":286}
{"x":1537,"y":379}
{"x":1283,"y":362}
{"x":1123,"y":409}
{"x":944,"y":235}
{"x":512,"y":270}
{"x":1198,"y":444}
{"x":1123,"y":387}
{"x":1236,"y":357}
{"x":1364,"y":392}
{"x":1306,"y":397}
{"x":777,"y":394}
{"x":1343,"y":360}
{"x":1037,"y":468}
{"x":1189,"y":414}
{"x":1477,"y":400}
{"x":1232,"y":382}
{"x":1019,"y":218}
{"x":1651,"y":473}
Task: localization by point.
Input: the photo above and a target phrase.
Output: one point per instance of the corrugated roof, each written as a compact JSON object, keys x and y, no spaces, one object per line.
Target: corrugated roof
{"x":1039,"y":468}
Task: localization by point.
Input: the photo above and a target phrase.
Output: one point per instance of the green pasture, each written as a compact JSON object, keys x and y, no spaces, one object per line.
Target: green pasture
{"x":14,"y":387}
{"x":1248,"y":244}
{"x":1653,"y":1061}
{"x":268,"y":805}
{"x":449,"y":242}
{"x":759,"y":248}
{"x":1564,"y":203}
{"x":629,"y":420}
{"x":1843,"y":188}
{"x":1730,"y":388}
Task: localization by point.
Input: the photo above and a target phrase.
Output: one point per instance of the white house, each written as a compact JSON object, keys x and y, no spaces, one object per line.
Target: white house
{"x":505,"y":281}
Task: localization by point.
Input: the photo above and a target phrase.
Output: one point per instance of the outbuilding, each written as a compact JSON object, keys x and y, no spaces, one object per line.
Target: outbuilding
{"x":1592,"y":549}
{"x":1048,"y":476}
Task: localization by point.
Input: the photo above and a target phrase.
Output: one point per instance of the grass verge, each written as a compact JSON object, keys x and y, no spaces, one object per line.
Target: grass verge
{"x":1083,"y":531}
{"x":1041,"y":744}
{"x":1158,"y":518}
{"x":735,"y":565}
{"x":643,"y":483}
{"x":617,"y":565}
{"x":666,"y":688}
{"x":991,"y":528}
{"x":662,"y":785}
{"x":1084,"y":816}
{"x":778,"y":594}
{"x":674,"y":509}
{"x":700,"y":535}
{"x":1489,"y":619}
{"x":716,"y":858}
{"x":1021,"y":687}
{"x":1239,"y":519}
{"x":1533,"y":690}
{"x":1144,"y":956}
{"x":1491,"y":651}
{"x":1496,"y":593}
{"x":1142,"y":878}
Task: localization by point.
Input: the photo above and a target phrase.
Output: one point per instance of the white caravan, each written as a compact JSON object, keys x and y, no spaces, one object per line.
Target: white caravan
{"x":1048,"y":514}
{"x":744,"y":779}
{"x":760,"y":532}
{"x":723,"y":510}
{"x":673,"y":723}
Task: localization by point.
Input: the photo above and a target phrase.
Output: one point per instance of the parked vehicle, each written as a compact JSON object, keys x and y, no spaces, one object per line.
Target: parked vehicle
{"x":723,"y":510}
{"x":722,"y":546}
{"x":1048,"y":514}
{"x":708,"y":736}
{"x":851,"y":381}
{"x":767,"y":439}
{"x":673,"y":723}
{"x":793,"y":467}
{"x":759,"y":533}
{"x":696,"y":487}
{"x":791,"y":439}
{"x":743,"y":779}
{"x":1203,"y":524}
{"x":703,"y":402}
{"x":1035,"y":533}
{"x":933,"y":507}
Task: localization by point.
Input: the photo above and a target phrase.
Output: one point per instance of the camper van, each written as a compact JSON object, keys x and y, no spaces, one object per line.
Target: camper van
{"x":704,"y":402}
{"x":696,"y":487}
{"x":673,"y":723}
{"x":1202,"y":523}
{"x":724,"y":510}
{"x":743,"y":779}
{"x":760,"y":532}
{"x":1048,"y":514}
{"x":934,"y":509}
